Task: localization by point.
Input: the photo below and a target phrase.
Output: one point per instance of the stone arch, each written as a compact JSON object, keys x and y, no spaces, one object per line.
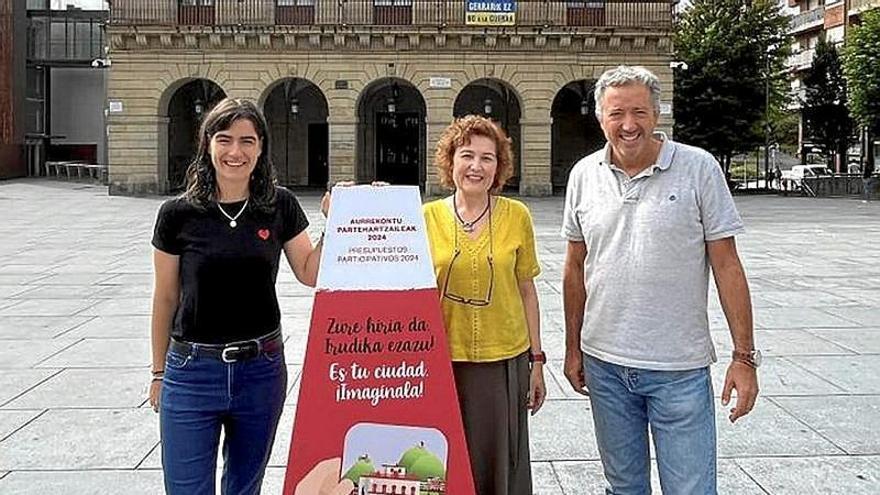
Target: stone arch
{"x":297,"y":110}
{"x":575,"y":131}
{"x":496,"y":99}
{"x":181,"y":107}
{"x":391,"y":132}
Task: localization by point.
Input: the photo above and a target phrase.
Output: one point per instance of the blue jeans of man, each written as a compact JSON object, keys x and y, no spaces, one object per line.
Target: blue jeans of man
{"x":678,"y":408}
{"x":200,"y":395}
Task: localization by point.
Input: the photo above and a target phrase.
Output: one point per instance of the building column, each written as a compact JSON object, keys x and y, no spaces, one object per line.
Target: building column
{"x":343,"y":148}
{"x":137,"y":148}
{"x":438,"y":105}
{"x":162,"y":154}
{"x":432,"y":184}
{"x":535,"y":162}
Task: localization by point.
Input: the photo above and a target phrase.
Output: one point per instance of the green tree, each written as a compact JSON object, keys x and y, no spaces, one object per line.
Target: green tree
{"x":362,"y":467}
{"x":735,"y":81}
{"x":785,"y":127}
{"x":422,"y":463}
{"x":862,"y":70}
{"x":826,"y":116}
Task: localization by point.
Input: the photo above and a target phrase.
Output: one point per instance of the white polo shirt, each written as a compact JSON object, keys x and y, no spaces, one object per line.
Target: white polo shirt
{"x":647,"y":272}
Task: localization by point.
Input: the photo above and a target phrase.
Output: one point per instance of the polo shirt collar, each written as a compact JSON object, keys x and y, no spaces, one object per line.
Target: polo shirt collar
{"x":664,"y":158}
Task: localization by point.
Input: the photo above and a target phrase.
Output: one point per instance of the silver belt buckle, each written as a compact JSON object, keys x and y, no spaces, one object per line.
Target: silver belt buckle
{"x":224,"y":357}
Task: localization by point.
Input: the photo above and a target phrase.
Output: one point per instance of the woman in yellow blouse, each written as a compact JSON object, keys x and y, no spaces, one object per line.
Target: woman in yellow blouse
{"x":483,"y":249}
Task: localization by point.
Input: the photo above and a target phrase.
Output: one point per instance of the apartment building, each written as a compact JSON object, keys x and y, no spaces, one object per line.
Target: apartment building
{"x":812,"y":19}
{"x":362,"y":89}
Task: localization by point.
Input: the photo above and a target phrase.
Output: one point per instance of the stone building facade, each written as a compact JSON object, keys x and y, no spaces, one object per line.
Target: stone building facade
{"x":361,"y":89}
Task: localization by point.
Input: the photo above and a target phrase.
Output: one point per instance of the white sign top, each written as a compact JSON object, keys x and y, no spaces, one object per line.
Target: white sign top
{"x":376,"y":240}
{"x":440,"y":82}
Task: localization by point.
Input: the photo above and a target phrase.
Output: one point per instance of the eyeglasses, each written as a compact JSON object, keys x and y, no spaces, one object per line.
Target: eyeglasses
{"x":466,"y":300}
{"x":489,"y":259}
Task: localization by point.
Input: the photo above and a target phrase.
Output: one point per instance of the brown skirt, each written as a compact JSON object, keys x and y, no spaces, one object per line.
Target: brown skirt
{"x":494,"y":407}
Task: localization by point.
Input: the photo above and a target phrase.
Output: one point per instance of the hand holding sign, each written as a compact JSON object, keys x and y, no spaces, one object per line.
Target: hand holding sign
{"x":323,"y":479}
{"x":325,"y":200}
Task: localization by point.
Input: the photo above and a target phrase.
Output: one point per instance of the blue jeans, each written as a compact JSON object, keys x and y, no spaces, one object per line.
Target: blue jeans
{"x":678,"y":407}
{"x":202,"y":394}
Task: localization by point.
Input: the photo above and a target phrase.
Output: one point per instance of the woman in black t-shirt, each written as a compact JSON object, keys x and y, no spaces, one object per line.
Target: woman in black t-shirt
{"x":218,"y":360}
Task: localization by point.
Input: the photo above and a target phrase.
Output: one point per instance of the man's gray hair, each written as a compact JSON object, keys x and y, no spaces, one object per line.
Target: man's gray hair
{"x":623,"y":75}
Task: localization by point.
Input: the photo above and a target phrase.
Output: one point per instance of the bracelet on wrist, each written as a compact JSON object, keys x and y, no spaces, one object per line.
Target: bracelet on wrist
{"x":537,"y":357}
{"x":156,"y":373}
{"x":157,"y":379}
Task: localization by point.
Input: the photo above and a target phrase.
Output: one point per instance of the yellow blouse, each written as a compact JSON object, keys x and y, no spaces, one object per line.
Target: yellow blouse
{"x":482,"y":307}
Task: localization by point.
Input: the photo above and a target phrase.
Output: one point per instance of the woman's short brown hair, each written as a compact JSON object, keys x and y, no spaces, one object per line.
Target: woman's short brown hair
{"x":458,"y":134}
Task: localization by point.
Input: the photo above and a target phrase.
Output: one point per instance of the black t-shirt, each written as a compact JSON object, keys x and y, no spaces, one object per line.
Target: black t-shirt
{"x":227,"y":275}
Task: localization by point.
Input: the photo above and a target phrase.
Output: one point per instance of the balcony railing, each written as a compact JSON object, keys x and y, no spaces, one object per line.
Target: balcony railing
{"x":801,"y":60}
{"x":808,"y":20}
{"x":856,"y":6}
{"x":645,"y":14}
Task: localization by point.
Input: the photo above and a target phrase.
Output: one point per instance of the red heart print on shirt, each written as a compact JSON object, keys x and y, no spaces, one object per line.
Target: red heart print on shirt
{"x":263,"y":234}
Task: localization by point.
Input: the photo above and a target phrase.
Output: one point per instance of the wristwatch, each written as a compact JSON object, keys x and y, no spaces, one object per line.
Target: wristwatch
{"x":537,"y":357}
{"x":752,"y":358}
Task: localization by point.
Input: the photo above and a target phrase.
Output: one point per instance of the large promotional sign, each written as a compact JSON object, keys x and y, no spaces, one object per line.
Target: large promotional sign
{"x":377,"y":409}
{"x":490,"y":13}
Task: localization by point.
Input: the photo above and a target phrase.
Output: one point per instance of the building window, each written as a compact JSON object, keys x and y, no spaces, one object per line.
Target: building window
{"x":295,"y":12}
{"x":196,"y":12}
{"x":392,"y":12}
{"x":585,"y":13}
{"x":35,"y":100}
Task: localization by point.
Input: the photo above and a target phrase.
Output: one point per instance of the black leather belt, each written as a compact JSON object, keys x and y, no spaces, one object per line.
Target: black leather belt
{"x":233,"y":351}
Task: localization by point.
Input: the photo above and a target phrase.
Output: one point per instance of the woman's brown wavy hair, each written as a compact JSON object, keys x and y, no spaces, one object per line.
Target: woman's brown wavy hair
{"x":458,"y":134}
{"x":201,"y":178}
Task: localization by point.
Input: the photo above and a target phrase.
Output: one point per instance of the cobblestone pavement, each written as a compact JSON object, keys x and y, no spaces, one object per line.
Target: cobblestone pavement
{"x":75,"y":282}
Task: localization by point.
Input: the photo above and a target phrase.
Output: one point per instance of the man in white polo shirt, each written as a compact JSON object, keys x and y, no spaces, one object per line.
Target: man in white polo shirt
{"x":645,"y":219}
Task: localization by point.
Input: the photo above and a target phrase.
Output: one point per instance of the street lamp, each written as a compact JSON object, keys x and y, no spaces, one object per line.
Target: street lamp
{"x":290,"y":91}
{"x":391,"y":104}
{"x":585,"y":106}
{"x":487,"y":106}
{"x":585,"y":98}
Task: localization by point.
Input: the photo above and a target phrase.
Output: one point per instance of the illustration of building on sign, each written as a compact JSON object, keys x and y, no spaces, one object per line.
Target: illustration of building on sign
{"x":395,"y":460}
{"x":434,"y":485}
{"x":392,"y":480}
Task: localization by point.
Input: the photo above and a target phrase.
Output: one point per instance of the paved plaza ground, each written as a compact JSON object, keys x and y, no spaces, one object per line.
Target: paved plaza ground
{"x":75,"y":283}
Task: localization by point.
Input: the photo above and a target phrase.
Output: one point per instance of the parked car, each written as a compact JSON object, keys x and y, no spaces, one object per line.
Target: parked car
{"x":796,"y":175}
